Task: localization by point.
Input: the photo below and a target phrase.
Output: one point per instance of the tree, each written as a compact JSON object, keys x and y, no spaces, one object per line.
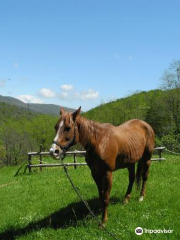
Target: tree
{"x":171,"y":77}
{"x":41,"y":130}
{"x":19,"y":136}
{"x":157,"y":115}
{"x":15,"y":142}
{"x":171,"y":84}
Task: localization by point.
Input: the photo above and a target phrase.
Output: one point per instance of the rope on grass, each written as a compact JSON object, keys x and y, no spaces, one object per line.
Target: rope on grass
{"x":86,"y":204}
{"x":172,"y":152}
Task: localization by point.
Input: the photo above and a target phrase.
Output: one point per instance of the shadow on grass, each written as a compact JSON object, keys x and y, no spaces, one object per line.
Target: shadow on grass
{"x":65,"y":217}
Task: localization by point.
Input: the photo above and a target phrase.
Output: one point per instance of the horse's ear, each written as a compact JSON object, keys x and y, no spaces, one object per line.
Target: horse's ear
{"x":62,"y":111}
{"x":76,"y":113}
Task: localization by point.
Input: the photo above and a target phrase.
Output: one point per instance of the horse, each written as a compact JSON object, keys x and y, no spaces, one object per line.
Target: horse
{"x":108,"y":148}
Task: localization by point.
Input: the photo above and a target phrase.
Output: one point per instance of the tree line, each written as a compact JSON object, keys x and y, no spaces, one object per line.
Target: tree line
{"x":22,"y":131}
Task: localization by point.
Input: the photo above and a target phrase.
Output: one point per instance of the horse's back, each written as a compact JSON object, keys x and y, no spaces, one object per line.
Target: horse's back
{"x":135,"y":138}
{"x":136,"y":126}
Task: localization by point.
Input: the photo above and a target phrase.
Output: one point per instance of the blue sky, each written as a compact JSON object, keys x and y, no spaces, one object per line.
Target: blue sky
{"x":85,"y":52}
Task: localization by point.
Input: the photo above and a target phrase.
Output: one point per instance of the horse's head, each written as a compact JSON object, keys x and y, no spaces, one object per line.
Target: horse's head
{"x":66,"y":133}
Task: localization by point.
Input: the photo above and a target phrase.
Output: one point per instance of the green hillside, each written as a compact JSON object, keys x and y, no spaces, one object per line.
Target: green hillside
{"x":21,"y":131}
{"x":143,"y":105}
{"x":161,"y":109}
{"x":8,"y":111}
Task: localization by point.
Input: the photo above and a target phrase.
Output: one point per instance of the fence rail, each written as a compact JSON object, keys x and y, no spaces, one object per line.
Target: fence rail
{"x":48,"y":153}
{"x":75,"y":163}
{"x":58,"y":164}
{"x":41,"y":165}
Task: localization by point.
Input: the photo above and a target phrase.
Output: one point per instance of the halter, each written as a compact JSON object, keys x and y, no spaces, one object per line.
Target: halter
{"x":69,"y":144}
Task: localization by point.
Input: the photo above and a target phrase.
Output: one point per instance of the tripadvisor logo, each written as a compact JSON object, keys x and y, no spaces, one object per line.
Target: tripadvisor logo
{"x":139,"y":231}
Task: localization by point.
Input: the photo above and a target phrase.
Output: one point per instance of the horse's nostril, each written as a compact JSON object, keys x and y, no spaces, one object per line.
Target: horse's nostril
{"x":56,"y":152}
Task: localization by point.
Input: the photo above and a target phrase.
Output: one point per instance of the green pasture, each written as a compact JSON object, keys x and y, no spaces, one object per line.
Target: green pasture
{"x":43,"y":205}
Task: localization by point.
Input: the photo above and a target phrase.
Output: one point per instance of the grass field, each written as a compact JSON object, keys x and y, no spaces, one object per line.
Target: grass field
{"x":42,"y":205}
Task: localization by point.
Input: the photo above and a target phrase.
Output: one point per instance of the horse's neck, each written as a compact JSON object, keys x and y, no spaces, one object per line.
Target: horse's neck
{"x":87,"y":132}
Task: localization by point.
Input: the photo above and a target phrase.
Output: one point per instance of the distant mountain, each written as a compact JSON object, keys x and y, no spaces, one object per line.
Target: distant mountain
{"x":12,"y":101}
{"x":50,"y":109}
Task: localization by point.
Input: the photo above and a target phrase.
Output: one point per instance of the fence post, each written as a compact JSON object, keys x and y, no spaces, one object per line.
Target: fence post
{"x":29,"y":163}
{"x":40,"y":157}
{"x":74,"y":160}
{"x":159,"y":153}
{"x":160,"y":149}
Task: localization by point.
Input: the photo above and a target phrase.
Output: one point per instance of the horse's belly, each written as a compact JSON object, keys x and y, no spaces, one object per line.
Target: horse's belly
{"x":123,"y":161}
{"x":121,"y":165}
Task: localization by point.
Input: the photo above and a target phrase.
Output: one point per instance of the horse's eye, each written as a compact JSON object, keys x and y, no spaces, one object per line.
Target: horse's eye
{"x":67,"y":129}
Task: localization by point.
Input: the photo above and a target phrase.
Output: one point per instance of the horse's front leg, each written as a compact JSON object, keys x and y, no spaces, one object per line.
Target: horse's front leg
{"x":99,"y":182}
{"x":107,"y":185}
{"x":104,"y":183}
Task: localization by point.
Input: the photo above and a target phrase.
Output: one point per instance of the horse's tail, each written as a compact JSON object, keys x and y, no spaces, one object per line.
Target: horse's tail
{"x":139,"y":172}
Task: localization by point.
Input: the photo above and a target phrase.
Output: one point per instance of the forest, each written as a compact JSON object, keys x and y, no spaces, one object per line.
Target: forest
{"x":22,"y":130}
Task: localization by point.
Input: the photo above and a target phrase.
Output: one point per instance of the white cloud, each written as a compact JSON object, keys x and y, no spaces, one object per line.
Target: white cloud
{"x":66,"y":87}
{"x":47,"y":93}
{"x":66,"y":94}
{"x":69,"y":96}
{"x":29,"y":99}
{"x":89,"y":95}
{"x":2,"y":83}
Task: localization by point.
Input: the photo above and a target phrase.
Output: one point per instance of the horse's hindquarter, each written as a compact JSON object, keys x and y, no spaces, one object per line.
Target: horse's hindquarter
{"x":127,"y":143}
{"x":136,"y":138}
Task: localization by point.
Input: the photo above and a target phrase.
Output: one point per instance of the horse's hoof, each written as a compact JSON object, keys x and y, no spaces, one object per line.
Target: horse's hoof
{"x":102,"y":225}
{"x":125,"y":201}
{"x":141,"y":198}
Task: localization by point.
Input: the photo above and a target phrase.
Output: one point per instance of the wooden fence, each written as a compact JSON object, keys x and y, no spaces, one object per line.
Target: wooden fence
{"x":75,"y":163}
{"x":41,"y":164}
{"x":159,"y":151}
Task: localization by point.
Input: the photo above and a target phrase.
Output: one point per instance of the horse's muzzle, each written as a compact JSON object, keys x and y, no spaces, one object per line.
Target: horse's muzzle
{"x":57,"y":154}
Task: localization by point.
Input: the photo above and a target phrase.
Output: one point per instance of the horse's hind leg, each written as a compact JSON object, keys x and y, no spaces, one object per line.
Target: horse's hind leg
{"x":131,"y":170}
{"x":145,"y":174}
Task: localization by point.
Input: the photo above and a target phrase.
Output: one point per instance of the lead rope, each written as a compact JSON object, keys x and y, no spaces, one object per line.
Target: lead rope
{"x":86,"y":204}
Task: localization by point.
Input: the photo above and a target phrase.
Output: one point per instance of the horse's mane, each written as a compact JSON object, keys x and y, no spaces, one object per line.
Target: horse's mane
{"x":88,"y":130}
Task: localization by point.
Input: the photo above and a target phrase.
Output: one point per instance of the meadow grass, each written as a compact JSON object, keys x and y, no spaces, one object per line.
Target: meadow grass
{"x":42,"y":205}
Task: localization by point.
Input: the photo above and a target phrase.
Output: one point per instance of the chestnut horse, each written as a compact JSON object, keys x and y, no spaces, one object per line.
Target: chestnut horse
{"x":108,"y":148}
